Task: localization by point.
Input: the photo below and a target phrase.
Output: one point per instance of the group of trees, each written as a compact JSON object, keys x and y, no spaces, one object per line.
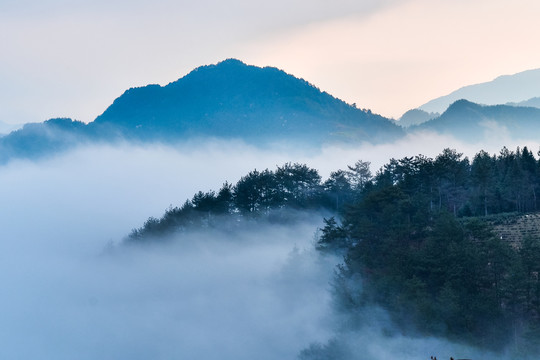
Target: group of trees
{"x":417,"y":233}
{"x":412,"y":240}
{"x":488,"y":184}
{"x":438,"y":275}
{"x":291,"y":186}
{"x":255,"y":195}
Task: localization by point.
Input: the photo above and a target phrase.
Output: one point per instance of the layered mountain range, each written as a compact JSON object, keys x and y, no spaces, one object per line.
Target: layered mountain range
{"x":521,"y":89}
{"x":229,"y":100}
{"x":474,"y":123}
{"x":260,"y":106}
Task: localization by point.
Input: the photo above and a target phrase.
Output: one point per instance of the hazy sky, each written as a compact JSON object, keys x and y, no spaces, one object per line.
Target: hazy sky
{"x":74,"y":57}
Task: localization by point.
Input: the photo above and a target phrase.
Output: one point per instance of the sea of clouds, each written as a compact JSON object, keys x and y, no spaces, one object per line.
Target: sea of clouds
{"x":72,"y":290}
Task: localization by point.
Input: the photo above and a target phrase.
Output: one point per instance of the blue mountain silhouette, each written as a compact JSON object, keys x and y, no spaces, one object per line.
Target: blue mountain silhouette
{"x":228,"y":100}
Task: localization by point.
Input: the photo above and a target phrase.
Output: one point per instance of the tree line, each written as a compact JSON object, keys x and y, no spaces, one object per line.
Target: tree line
{"x":418,"y":233}
{"x":419,"y":236}
{"x":255,"y":195}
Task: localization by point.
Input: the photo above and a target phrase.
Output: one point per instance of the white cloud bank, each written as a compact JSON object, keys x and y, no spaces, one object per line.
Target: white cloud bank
{"x":215,"y":297}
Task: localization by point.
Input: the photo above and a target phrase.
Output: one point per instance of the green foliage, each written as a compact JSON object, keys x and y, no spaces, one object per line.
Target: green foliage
{"x":257,"y":194}
{"x":338,"y":190}
{"x":333,"y":237}
{"x":417,"y":238}
{"x":297,"y":184}
{"x":441,"y":277}
{"x":436,"y":271}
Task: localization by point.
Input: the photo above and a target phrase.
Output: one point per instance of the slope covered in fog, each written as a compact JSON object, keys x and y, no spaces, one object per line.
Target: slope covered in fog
{"x":415,"y":117}
{"x":230,"y":100}
{"x":476,"y":123}
{"x":259,"y":293}
{"x":425,"y":249}
{"x":258,"y":106}
{"x":247,"y":292}
{"x":532,"y":102}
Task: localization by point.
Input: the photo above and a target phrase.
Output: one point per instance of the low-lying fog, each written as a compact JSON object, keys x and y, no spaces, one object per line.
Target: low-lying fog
{"x":69,"y":291}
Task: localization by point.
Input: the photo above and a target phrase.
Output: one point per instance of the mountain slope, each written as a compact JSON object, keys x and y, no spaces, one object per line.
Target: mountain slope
{"x":6,"y":128}
{"x":415,"y":117}
{"x":504,"y":89}
{"x":35,"y":140}
{"x":532,"y":102}
{"x":232,"y":99}
{"x":472,"y":122}
{"x":228,"y":100}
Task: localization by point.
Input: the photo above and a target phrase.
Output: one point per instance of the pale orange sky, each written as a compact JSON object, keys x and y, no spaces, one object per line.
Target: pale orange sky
{"x":73,"y":57}
{"x":406,"y":55}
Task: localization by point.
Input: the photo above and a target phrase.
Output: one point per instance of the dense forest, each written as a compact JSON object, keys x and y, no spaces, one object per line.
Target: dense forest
{"x":418,"y":235}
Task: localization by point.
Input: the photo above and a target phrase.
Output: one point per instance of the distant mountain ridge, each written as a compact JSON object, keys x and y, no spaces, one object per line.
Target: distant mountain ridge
{"x":260,"y":106}
{"x":229,"y":100}
{"x":532,"y":102}
{"x":472,"y":122}
{"x":415,"y":117}
{"x":504,"y":89}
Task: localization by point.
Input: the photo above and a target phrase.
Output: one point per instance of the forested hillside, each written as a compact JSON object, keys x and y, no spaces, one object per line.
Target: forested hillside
{"x":419,"y":236}
{"x":234,"y":100}
{"x":271,"y":195}
{"x":423,"y":242}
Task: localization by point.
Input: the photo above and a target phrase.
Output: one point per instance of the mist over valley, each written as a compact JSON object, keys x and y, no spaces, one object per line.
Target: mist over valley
{"x":241,"y":213}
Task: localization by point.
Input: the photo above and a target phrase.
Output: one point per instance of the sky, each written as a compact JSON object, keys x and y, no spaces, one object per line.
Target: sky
{"x":72,"y":58}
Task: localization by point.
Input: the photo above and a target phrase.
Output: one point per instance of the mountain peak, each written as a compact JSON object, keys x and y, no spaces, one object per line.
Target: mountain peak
{"x":230,"y":63}
{"x":460,"y":105}
{"x":232,"y":99}
{"x":234,"y":74}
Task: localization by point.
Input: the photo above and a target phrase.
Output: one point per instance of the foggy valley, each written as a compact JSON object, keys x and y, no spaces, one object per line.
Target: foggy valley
{"x":241,"y":212}
{"x":73,"y":289}
{"x":240,"y":180}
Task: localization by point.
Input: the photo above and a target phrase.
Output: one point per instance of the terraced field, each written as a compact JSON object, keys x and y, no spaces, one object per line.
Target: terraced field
{"x":515,"y":227}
